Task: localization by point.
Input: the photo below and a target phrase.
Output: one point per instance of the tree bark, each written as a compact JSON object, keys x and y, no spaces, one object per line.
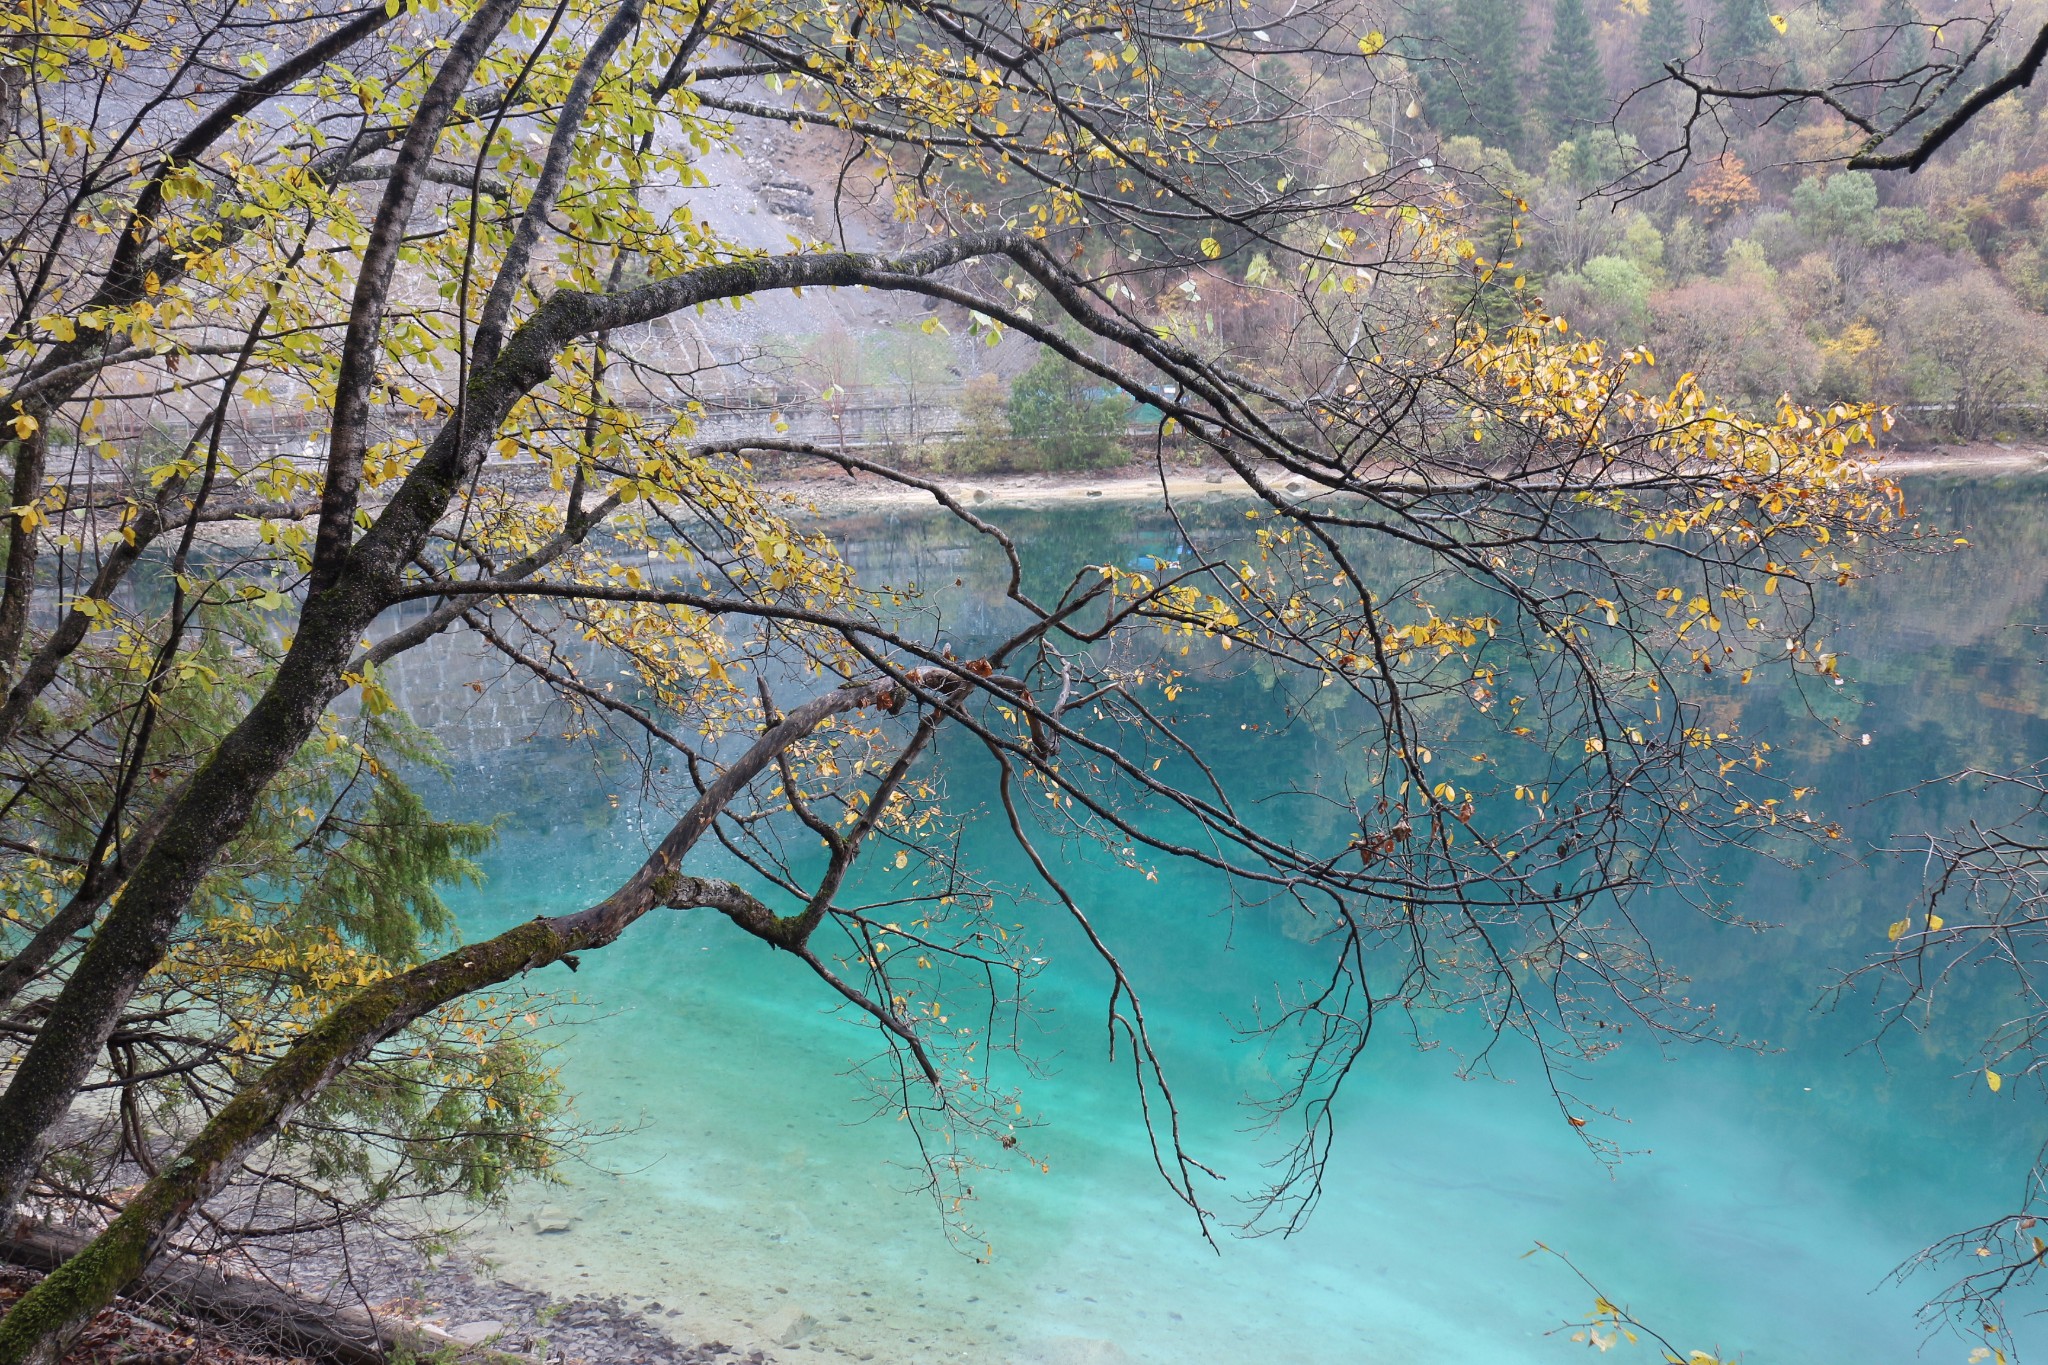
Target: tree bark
{"x":22,"y":542}
{"x":72,"y":630}
{"x":151,"y":521}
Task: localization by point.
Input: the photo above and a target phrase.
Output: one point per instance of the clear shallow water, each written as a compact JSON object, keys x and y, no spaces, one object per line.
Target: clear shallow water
{"x":1770,"y":1196}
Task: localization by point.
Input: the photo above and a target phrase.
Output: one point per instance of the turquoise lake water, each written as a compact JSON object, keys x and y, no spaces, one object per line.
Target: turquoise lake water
{"x":1768,"y":1198}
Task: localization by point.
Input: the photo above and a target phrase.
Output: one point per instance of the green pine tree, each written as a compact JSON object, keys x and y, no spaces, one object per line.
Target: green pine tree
{"x":1069,"y":421}
{"x":1469,"y":65}
{"x":1575,"y":98}
{"x":1666,"y":36}
{"x":1435,"y":68}
{"x":1742,"y":29}
{"x":1490,"y":31}
{"x":1905,"y":51}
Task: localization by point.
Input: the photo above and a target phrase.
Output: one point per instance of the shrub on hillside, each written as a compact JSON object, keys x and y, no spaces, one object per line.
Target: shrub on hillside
{"x":1970,"y":346}
{"x":1065,"y":415}
{"x":984,"y":444}
{"x":1737,"y":336}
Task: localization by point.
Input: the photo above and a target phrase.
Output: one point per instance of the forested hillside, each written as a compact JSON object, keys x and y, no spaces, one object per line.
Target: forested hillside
{"x":1757,"y":261}
{"x":1725,"y":236}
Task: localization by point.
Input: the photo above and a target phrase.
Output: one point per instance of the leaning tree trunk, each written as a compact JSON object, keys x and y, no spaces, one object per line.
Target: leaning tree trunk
{"x":217,"y":804}
{"x":133,"y":938}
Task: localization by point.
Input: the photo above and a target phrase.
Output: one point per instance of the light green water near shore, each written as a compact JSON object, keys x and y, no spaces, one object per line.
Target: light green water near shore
{"x":1768,"y":1198}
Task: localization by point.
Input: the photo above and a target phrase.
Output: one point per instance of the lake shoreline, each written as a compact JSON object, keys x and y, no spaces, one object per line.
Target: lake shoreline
{"x":827,"y":495}
{"x":833,"y":493}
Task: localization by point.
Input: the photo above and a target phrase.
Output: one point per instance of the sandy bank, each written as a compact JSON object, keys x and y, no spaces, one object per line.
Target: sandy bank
{"x":827,"y":494}
{"x":1987,"y":458}
{"x":830,"y":494}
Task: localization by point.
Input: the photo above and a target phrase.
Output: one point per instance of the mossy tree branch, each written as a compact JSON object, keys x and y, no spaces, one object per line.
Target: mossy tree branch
{"x":45,"y":1320}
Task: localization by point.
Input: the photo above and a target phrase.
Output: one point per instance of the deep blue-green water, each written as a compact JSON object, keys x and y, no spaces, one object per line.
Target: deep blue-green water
{"x":1767,"y":1198}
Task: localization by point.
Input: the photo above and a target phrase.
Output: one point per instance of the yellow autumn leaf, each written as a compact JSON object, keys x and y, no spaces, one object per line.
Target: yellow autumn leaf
{"x":1898,"y":929}
{"x":24,"y":425}
{"x":1934,"y":923}
{"x":1778,"y":22}
{"x":1994,"y":1080}
{"x":1372,"y":42}
{"x":902,"y":858}
{"x":1211,"y":248}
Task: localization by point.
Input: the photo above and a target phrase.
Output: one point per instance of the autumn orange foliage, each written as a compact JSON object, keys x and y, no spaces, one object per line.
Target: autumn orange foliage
{"x":1723,"y":188}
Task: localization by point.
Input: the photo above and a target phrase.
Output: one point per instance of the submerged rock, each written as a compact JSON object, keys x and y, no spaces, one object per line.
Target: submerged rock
{"x":552,"y":1219}
{"x":788,"y":1326}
